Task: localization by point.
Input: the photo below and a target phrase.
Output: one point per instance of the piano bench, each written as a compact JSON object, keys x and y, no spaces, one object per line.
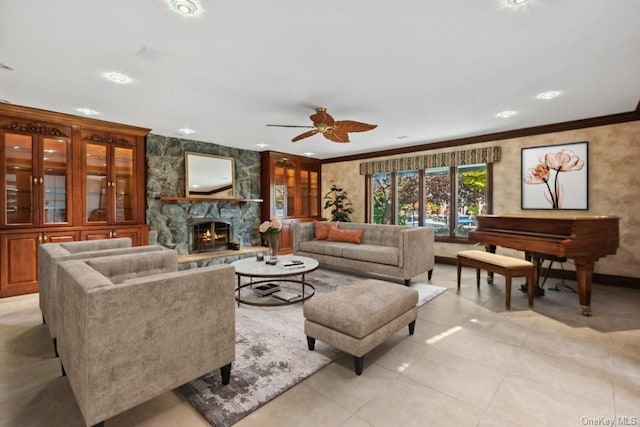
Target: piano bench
{"x":507,"y":266}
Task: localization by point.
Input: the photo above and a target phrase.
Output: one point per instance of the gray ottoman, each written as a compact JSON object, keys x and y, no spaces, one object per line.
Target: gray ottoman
{"x":359,"y":317}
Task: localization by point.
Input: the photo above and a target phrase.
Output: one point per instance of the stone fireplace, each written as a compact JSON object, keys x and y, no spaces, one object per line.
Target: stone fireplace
{"x":170,"y":221}
{"x":209,"y":234}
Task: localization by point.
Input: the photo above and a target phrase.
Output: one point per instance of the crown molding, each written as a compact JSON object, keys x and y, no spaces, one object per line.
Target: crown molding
{"x":530,"y":131}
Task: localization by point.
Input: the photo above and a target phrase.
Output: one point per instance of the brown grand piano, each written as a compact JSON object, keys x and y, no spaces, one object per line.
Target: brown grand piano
{"x":581,"y":238}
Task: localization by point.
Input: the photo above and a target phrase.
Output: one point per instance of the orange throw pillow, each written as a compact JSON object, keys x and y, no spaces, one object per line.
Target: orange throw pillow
{"x":322,"y":229}
{"x":349,"y":236}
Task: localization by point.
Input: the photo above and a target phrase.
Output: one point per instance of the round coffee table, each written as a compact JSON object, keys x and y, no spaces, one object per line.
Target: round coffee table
{"x":291,"y":289}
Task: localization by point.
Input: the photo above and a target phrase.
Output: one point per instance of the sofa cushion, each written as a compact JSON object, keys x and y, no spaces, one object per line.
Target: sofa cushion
{"x":377,"y":234}
{"x":350,"y":236}
{"x":324,"y":247}
{"x":322,"y":229}
{"x":372,"y":253}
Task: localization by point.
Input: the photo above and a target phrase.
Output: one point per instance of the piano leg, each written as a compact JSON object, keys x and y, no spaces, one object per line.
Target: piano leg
{"x":537,"y":261}
{"x":584,"y":276}
{"x":492,"y":249}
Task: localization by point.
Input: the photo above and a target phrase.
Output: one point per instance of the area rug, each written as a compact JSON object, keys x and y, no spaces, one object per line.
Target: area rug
{"x":271,"y":355}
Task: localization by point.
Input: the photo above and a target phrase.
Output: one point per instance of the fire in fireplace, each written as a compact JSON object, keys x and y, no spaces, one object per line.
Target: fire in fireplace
{"x":209,"y":234}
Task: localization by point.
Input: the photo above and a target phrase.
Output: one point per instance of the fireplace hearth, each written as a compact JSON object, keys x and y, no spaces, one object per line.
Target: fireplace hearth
{"x":209,"y":234}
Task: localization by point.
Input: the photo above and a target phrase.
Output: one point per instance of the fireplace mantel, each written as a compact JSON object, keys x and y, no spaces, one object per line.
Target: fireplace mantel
{"x":206,"y":199}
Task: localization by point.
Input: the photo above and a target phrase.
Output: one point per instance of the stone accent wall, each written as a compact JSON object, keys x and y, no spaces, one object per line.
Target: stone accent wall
{"x":168,"y":221}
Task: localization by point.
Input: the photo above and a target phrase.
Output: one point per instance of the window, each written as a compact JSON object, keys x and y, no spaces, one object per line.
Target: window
{"x":381,"y":198}
{"x":437,"y":200}
{"x":447,"y":199}
{"x":407,"y":198}
{"x":471,"y":197}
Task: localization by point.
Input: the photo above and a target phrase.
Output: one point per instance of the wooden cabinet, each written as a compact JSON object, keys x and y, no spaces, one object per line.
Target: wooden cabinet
{"x":110,"y":181}
{"x":19,"y":259}
{"x":64,"y":178}
{"x":138,"y":235}
{"x":290,"y":190}
{"x":37,"y":169}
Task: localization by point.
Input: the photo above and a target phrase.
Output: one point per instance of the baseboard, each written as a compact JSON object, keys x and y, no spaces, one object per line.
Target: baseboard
{"x":602,"y":279}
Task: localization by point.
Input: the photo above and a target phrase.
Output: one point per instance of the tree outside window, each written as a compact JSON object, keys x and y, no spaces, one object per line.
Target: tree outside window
{"x":471,"y":197}
{"x":437,"y":194}
{"x":453,"y":198}
{"x":408,"y":203}
{"x":381,"y":198}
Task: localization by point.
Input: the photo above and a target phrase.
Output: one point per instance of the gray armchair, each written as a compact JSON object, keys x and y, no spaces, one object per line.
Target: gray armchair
{"x":51,"y":254}
{"x":133,"y":328}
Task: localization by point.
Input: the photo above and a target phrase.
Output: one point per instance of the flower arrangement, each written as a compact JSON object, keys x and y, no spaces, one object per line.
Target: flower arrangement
{"x":270,"y":228}
{"x":562,"y":161}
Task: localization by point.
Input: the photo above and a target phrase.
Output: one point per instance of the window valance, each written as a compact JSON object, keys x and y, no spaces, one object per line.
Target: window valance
{"x":438,"y":160}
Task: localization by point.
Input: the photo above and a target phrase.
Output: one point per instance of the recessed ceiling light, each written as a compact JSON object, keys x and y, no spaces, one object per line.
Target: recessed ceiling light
{"x":308,"y":154}
{"x":118,"y":78}
{"x":186,"y":131}
{"x":262,"y":145}
{"x":506,"y":114}
{"x":550,"y":94}
{"x":5,"y":101}
{"x":186,"y":7}
{"x":402,"y":137}
{"x":516,"y":2}
{"x":87,"y":111}
{"x":5,"y":67}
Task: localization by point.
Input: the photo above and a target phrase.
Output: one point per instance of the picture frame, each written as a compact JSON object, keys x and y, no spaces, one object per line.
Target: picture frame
{"x":555,"y":177}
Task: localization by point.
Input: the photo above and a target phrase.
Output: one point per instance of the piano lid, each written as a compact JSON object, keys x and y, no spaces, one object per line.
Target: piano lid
{"x":562,"y":235}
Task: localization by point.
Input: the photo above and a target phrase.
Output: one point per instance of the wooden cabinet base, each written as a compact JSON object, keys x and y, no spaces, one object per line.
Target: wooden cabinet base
{"x":20,"y":259}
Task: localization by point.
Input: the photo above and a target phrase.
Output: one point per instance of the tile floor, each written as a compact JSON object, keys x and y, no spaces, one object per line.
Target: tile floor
{"x":470,"y":363}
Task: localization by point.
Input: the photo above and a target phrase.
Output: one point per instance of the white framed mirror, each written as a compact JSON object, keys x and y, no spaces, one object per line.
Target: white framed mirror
{"x":209,"y":176}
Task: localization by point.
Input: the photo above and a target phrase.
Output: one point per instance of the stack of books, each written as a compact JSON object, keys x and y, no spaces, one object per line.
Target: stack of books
{"x":291,"y":264}
{"x":266,"y":289}
{"x":287,"y":296}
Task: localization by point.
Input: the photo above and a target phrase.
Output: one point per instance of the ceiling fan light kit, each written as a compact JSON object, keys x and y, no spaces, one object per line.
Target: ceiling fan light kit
{"x":336,"y":131}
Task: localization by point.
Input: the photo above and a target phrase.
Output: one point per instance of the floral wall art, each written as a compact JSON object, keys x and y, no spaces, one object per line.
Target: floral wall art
{"x":555,"y":177}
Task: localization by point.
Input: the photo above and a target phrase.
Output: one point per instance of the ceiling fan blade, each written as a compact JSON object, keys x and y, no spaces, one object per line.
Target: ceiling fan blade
{"x":291,"y":126}
{"x":336,"y":135}
{"x":306,"y":134}
{"x":353,"y":126}
{"x":322,"y":117}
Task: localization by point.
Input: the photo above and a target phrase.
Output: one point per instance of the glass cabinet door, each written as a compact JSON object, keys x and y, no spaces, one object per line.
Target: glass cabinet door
{"x":19,"y":179}
{"x":280,"y":192}
{"x":291,"y":192}
{"x":304,"y":193}
{"x":96,"y":182}
{"x":314,"y":208}
{"x":308,"y":193}
{"x":55,"y":163}
{"x":123,"y":184}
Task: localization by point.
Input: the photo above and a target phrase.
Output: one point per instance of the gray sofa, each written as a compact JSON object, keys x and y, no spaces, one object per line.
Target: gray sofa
{"x":389,"y":250}
{"x":133,"y":327}
{"x":51,"y":254}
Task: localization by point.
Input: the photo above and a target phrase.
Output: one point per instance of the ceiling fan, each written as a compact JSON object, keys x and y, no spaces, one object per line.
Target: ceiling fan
{"x":336,"y":131}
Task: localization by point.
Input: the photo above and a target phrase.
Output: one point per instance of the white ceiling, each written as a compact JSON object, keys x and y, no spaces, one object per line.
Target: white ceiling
{"x":426,"y":71}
